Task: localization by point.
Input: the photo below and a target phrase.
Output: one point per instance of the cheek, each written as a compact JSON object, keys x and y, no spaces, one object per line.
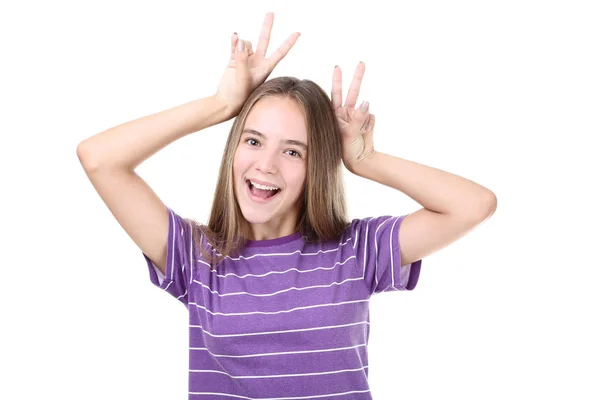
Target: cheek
{"x":238,"y":164}
{"x":299,"y":179}
{"x":235,"y":167}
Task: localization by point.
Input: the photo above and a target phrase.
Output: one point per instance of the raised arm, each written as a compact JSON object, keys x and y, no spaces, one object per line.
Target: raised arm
{"x":110,"y":157}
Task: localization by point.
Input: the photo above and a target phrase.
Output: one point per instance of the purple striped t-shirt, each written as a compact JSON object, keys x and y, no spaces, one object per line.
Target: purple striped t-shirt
{"x":286,"y":319}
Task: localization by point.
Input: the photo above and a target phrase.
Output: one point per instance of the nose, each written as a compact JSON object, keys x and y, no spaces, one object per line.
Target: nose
{"x":267,"y":161}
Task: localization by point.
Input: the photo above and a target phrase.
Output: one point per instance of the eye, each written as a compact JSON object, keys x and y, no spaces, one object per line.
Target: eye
{"x":252,"y":140}
{"x":297,"y":154}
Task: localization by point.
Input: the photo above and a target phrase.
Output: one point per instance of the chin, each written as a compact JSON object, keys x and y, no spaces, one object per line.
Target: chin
{"x":256,"y":217}
{"x":251,"y":215}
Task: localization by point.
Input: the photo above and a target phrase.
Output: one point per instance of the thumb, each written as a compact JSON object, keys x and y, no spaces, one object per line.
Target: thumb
{"x":361,"y":115}
{"x":241,"y":62}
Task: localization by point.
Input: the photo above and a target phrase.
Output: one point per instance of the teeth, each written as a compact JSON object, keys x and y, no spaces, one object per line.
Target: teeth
{"x":263,"y":187}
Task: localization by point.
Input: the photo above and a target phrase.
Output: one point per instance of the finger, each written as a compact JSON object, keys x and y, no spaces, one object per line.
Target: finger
{"x":283,"y":49}
{"x":371,"y":122}
{"x":234,"y":40}
{"x":242,"y":73}
{"x":368,"y":134}
{"x":336,"y":88}
{"x":241,"y":54}
{"x":265,"y":34}
{"x":361,"y":116}
{"x":248,"y":45}
{"x":366,"y":123}
{"x":355,"y":85}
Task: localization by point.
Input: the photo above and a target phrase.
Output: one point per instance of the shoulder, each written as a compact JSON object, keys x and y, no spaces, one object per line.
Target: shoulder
{"x":190,"y":232}
{"x":371,"y":226}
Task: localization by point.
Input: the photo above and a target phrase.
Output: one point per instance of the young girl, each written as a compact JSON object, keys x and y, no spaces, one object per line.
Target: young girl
{"x":278,"y":283}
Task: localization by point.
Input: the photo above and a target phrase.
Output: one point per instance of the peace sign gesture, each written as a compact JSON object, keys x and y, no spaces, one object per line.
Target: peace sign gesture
{"x":247,"y":69}
{"x":356,"y":125}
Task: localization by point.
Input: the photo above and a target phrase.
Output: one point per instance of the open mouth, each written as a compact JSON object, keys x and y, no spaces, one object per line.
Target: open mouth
{"x":260,"y":194}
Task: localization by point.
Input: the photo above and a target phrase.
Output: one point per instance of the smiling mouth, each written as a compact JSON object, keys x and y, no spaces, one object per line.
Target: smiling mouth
{"x":260,"y":193}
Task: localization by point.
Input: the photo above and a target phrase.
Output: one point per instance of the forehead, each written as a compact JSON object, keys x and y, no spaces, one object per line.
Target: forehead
{"x":280,"y":118}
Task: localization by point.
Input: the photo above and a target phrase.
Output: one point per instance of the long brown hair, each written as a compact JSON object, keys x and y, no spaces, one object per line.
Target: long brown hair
{"x":323,"y":209}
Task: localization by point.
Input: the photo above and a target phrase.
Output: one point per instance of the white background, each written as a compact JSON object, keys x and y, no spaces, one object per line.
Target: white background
{"x":503,"y":93}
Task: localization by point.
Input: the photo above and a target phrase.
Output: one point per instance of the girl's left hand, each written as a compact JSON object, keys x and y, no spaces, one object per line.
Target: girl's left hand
{"x":356,"y":125}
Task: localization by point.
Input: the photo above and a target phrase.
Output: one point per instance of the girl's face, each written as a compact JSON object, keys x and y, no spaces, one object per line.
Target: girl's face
{"x":272,"y":151}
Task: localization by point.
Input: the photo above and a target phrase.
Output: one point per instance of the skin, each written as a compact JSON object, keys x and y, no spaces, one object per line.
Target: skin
{"x":452,"y":205}
{"x":271,"y":160}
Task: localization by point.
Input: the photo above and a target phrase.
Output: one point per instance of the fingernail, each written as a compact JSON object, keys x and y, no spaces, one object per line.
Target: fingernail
{"x":364,"y":106}
{"x":240,"y":45}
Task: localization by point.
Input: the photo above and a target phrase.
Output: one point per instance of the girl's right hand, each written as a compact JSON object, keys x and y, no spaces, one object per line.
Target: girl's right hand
{"x":247,"y":70}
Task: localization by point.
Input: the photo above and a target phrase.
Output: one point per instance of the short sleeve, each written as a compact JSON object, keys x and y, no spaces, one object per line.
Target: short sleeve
{"x":377,"y":248}
{"x":177,"y":278}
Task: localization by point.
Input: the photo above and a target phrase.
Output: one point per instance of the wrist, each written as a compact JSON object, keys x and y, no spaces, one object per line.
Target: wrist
{"x":363,"y":165}
{"x":227,"y":111}
{"x":221,"y":107}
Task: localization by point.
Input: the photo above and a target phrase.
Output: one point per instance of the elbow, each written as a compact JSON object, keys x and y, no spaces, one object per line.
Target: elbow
{"x":488,"y":205}
{"x":481,"y":208}
{"x":85,"y":156}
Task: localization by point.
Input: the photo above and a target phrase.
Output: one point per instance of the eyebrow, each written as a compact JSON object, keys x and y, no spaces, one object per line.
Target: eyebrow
{"x":288,"y":141}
